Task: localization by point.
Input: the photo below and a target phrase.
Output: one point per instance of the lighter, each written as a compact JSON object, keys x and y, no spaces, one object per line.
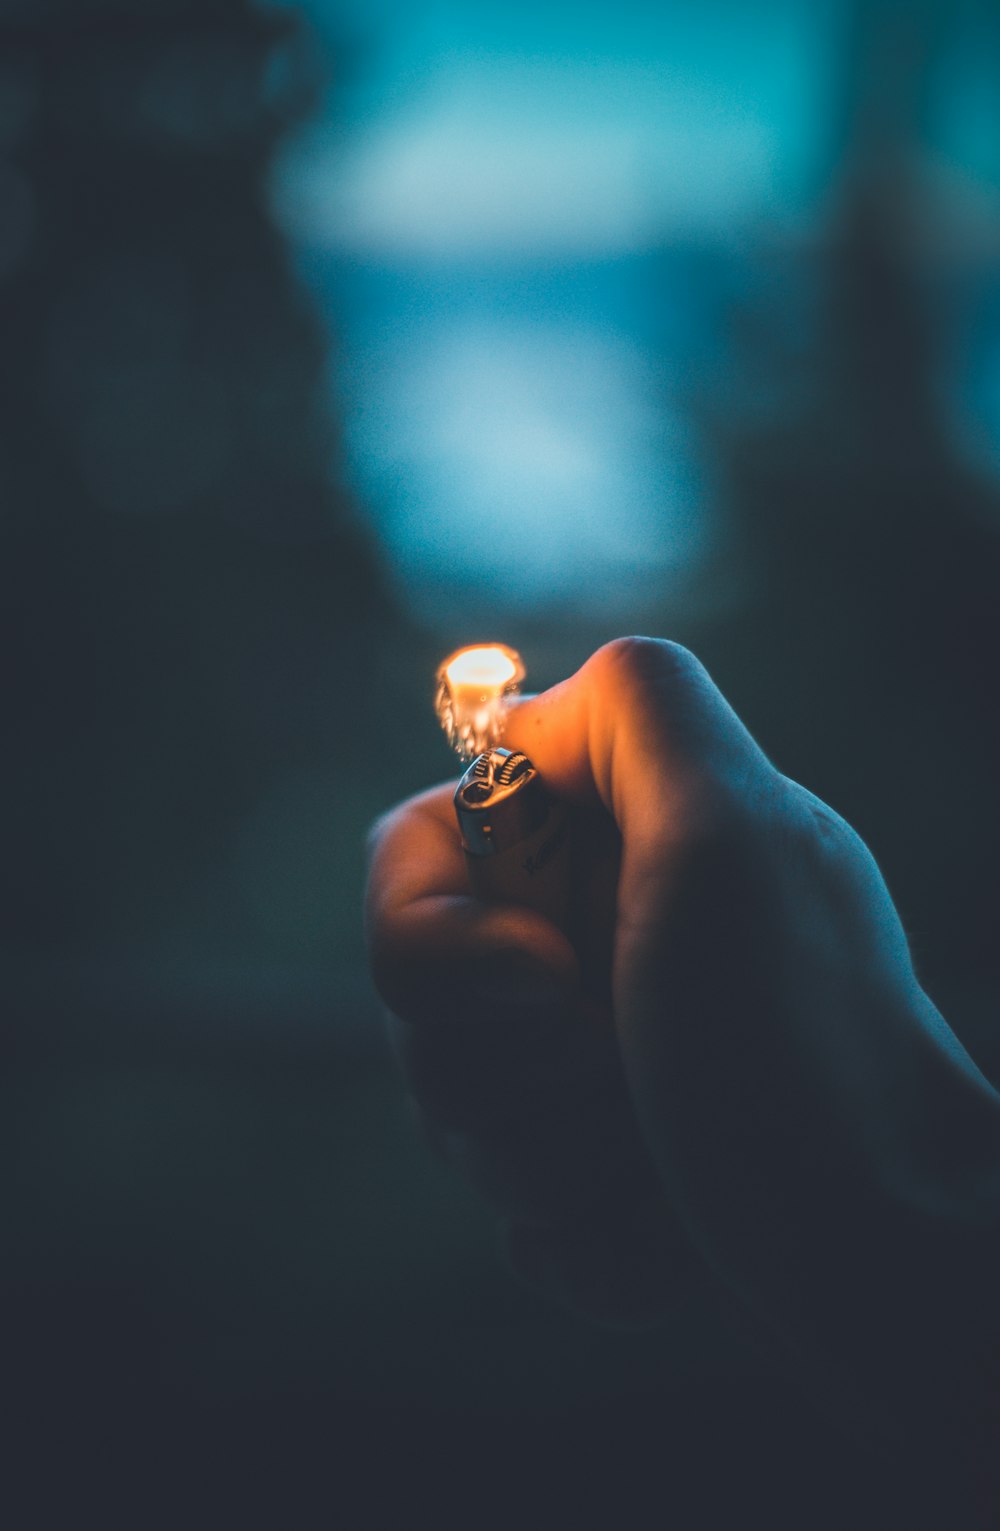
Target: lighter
{"x":515,"y":834}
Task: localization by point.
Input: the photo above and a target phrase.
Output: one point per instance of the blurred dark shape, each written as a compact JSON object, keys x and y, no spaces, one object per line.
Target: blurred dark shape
{"x":191,"y":612}
{"x":195,"y":638}
{"x":865,"y":649}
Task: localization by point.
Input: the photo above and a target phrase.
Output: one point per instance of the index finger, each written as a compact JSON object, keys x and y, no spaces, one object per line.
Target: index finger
{"x":430,"y":942}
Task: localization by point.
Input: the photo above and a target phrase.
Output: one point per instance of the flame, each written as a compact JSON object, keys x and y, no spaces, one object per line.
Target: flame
{"x":489,"y":667}
{"x":474,"y":686}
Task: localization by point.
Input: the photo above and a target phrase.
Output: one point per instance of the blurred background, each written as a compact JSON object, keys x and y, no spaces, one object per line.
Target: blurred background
{"x":336,"y":334}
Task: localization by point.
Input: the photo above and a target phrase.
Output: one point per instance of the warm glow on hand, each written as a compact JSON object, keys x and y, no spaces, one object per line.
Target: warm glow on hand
{"x":473,"y":688}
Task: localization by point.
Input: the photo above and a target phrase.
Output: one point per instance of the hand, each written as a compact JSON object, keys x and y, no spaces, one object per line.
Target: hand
{"x":743,"y":1077}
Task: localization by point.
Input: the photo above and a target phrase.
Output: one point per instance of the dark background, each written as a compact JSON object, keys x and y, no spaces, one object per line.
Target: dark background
{"x":235,"y":1285}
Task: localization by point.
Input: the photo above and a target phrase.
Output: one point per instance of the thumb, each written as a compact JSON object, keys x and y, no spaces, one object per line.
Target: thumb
{"x":641,"y":728}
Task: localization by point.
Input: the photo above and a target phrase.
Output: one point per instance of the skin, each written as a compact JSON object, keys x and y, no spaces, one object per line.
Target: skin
{"x":739,"y":1081}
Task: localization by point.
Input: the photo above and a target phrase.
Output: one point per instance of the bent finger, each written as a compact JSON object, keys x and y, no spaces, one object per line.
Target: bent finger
{"x":433,"y":946}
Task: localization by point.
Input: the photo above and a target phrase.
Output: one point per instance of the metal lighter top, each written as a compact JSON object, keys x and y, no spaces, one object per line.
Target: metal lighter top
{"x":500,"y":802}
{"x":514,"y":833}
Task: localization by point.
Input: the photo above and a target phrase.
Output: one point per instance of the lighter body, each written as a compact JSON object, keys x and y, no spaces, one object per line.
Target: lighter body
{"x":515,"y":835}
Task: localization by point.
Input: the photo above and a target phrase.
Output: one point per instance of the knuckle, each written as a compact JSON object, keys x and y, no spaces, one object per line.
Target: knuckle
{"x":832,"y":841}
{"x":395,"y":826}
{"x":379,"y":831}
{"x":642,"y":663}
